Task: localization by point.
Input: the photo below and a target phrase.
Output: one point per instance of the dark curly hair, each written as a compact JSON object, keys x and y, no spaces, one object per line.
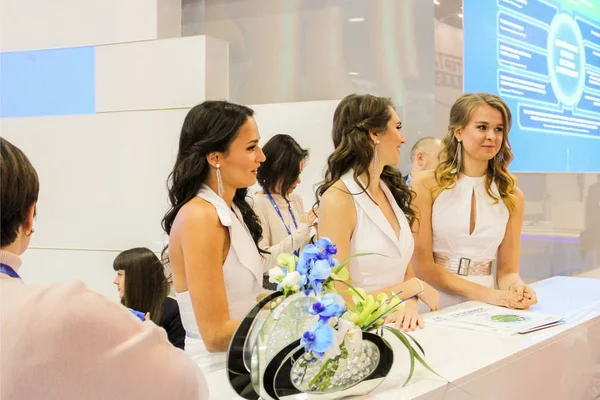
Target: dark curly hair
{"x":208,"y":127}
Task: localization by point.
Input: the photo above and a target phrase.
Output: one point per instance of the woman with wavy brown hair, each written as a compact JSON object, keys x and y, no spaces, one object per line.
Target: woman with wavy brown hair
{"x":469,"y":210}
{"x":364,"y":206}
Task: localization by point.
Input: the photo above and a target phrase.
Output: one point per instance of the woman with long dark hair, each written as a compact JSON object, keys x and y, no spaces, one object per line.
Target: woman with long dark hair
{"x":286,"y":226}
{"x":143,"y":286}
{"x":471,"y":210}
{"x":364,"y":206}
{"x":213,"y":232}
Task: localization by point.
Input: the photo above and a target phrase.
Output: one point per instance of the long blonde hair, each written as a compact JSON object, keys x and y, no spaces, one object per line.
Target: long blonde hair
{"x":447,"y":173}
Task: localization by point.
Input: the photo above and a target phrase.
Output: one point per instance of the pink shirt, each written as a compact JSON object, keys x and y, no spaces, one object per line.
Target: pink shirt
{"x":63,"y":341}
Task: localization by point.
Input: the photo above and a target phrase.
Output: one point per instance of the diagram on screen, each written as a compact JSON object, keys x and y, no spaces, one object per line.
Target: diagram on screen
{"x":550,"y":61}
{"x":543,"y":58}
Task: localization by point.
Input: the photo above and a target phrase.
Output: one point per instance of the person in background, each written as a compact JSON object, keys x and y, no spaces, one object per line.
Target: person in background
{"x":63,"y":341}
{"x":143,"y":287}
{"x":424,"y":155}
{"x":364,"y":207}
{"x":470,"y":211}
{"x":213,"y":231}
{"x":287,"y":228}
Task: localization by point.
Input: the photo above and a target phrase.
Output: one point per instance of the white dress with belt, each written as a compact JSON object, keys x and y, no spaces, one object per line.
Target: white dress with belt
{"x":374,"y":234}
{"x":450,"y":223}
{"x":242,"y":273}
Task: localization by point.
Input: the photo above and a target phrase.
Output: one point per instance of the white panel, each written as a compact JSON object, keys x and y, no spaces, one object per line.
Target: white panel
{"x":94,"y":268}
{"x":217,"y":69}
{"x":43,"y":24}
{"x":159,"y":74}
{"x":102,"y":177}
{"x":310,"y":124}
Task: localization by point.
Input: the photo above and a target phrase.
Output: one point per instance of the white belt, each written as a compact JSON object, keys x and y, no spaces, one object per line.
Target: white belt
{"x":463,"y":266}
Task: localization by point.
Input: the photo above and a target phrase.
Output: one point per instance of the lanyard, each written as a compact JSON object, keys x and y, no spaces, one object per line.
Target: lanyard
{"x":278,"y":211}
{"x":6,"y":270}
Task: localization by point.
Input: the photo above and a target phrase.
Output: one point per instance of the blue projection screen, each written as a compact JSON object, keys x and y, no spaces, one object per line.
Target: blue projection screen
{"x":543,"y":58}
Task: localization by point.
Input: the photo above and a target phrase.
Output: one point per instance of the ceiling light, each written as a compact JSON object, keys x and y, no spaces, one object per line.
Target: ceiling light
{"x":459,"y":15}
{"x":359,"y":19}
{"x":436,"y":2}
{"x":352,"y":73}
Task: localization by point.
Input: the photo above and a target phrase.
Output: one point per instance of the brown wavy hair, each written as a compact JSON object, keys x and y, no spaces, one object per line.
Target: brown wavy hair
{"x":446,"y":173}
{"x":354,"y":118}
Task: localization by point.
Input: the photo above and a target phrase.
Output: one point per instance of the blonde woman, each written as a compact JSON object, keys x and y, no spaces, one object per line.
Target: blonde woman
{"x":470,"y":211}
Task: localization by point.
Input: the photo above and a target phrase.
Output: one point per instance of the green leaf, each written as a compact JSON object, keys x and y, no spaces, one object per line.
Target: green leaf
{"x":354,"y":291}
{"x":401,"y":336}
{"x":411,"y":351}
{"x":417,"y":343}
{"x":341,"y":275}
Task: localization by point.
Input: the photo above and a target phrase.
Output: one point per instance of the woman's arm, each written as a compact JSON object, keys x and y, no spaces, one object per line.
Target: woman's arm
{"x":204,"y":243}
{"x":508,"y":256}
{"x":423,"y":262}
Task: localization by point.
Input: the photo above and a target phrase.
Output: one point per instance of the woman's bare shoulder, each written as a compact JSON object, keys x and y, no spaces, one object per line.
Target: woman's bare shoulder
{"x":197,"y":214}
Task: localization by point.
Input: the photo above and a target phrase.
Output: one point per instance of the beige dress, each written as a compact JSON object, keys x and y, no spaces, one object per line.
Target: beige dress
{"x":275,"y":237}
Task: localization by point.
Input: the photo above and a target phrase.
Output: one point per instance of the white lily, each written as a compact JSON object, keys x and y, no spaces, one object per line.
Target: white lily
{"x":291,"y":281}
{"x":340,"y":335}
{"x":353,"y":339}
{"x":276,"y":275}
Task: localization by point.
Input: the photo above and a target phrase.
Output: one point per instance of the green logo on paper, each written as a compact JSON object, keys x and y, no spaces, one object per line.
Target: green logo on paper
{"x":509,"y":318}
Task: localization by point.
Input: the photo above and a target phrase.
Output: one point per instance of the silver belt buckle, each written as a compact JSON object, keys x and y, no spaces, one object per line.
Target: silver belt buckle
{"x":464,"y":265}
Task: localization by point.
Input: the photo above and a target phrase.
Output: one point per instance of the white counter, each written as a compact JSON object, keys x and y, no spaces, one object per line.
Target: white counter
{"x":559,"y":363}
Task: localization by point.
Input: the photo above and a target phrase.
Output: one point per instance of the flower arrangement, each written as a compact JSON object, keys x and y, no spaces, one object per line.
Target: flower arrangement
{"x":338,"y":332}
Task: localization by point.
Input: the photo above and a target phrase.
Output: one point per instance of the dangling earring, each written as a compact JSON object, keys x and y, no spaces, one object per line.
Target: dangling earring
{"x":219,"y":181}
{"x":375,"y":155}
{"x":457,"y":157}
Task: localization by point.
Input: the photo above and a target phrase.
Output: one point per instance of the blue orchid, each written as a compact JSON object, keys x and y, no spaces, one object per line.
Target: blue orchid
{"x":320,"y":271}
{"x":306,"y":260}
{"x":329,"y":248}
{"x":318,"y":339}
{"x":330,"y":305}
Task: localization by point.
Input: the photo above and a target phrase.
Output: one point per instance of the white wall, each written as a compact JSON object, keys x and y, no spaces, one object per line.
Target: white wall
{"x":103,"y":174}
{"x":161,"y":74}
{"x":42,"y":24}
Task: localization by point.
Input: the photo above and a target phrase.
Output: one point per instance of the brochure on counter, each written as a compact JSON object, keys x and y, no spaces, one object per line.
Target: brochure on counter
{"x":494,"y":319}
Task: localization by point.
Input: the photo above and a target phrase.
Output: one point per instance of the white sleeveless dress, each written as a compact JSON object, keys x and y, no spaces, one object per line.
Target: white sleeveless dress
{"x":374,"y":234}
{"x":450,"y":224}
{"x":242,"y":273}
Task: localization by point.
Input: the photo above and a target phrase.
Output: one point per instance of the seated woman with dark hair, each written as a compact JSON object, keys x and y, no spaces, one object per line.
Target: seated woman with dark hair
{"x":63,"y":341}
{"x":143,"y":287}
{"x":286,"y":227}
